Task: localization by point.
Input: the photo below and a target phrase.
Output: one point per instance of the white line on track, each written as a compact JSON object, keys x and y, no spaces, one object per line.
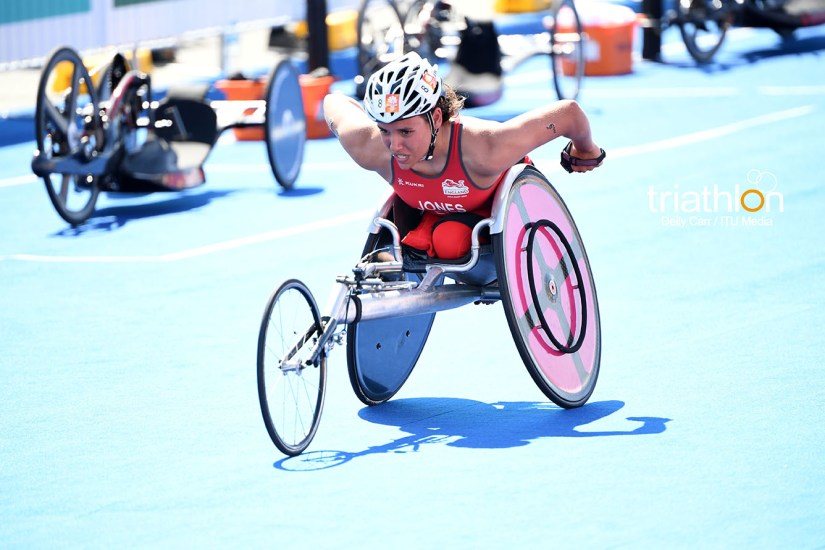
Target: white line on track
{"x":216,"y":168}
{"x":791,"y":90}
{"x":201,"y":250}
{"x":19,"y":180}
{"x":672,"y":143}
{"x":712,"y":133}
{"x":307,"y":166}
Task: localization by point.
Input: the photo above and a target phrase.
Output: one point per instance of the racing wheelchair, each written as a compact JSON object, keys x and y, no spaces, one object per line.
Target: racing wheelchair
{"x":387,"y":29}
{"x":534,"y":262}
{"x":704,"y":24}
{"x":102,"y":131}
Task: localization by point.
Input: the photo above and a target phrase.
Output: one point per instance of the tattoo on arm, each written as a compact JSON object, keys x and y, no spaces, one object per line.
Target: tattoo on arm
{"x":552,"y":127}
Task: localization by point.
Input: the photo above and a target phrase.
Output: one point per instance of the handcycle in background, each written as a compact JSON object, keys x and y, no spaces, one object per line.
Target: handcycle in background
{"x":102,"y":131}
{"x":535,"y":264}
{"x":387,"y":29}
{"x":703,"y":24}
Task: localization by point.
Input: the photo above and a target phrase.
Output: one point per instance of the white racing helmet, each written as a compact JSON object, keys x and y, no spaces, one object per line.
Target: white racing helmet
{"x":407,"y":87}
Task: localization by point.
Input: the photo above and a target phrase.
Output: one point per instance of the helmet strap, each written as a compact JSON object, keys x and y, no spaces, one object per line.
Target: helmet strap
{"x":434,"y":134}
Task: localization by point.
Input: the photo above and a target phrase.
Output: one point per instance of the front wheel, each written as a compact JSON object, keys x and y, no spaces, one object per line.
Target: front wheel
{"x":290,"y":388}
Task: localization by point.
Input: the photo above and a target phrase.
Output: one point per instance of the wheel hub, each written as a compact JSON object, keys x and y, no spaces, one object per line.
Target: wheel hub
{"x":552,"y":289}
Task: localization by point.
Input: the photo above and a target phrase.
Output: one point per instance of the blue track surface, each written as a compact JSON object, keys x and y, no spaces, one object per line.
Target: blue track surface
{"x":128,"y":406}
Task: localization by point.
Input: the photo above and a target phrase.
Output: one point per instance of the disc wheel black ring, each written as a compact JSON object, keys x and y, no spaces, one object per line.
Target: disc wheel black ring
{"x":570,"y":346}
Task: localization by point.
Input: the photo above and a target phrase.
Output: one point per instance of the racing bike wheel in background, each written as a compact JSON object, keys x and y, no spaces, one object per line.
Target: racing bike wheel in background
{"x":68,"y":126}
{"x":567,"y":49}
{"x":703,"y":25}
{"x":381,"y":37}
{"x":285,"y":123}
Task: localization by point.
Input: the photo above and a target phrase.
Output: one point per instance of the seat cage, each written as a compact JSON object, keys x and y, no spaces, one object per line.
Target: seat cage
{"x":434,"y":268}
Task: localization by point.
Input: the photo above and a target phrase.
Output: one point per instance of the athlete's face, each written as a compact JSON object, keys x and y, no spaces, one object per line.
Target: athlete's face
{"x":408,"y":139}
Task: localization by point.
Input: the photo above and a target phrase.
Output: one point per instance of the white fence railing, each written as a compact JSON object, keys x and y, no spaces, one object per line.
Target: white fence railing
{"x":29,"y":31}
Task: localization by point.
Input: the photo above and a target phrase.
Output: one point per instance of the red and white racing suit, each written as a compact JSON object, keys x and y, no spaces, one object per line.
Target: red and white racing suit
{"x":452,"y":203}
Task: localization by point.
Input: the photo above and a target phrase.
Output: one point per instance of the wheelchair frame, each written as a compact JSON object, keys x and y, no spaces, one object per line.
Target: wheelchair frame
{"x":538,"y":250}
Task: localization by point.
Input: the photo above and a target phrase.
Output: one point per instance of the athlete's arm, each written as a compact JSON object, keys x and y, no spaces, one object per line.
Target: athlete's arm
{"x":497,"y":146}
{"x":357,"y":133}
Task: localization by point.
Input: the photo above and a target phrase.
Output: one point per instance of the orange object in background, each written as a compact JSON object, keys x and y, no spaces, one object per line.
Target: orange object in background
{"x":313,"y":90}
{"x":521,"y":6}
{"x":244,"y":90}
{"x":96,"y":64}
{"x":615,"y":47}
{"x":609,"y":28}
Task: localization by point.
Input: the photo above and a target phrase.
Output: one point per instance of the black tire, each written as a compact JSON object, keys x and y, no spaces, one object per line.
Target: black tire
{"x":552,"y":312}
{"x":381,"y":36}
{"x":285,"y":124}
{"x":291,"y":394}
{"x":426,"y":25}
{"x":111,"y":75}
{"x":703,"y":25}
{"x":567,"y":45}
{"x":68,"y":124}
{"x":419,"y":35}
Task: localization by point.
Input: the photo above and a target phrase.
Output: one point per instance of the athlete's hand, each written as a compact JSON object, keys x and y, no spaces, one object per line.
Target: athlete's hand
{"x":574,"y":160}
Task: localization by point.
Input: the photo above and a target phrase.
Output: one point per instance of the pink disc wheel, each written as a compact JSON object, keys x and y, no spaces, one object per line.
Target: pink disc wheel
{"x":547,"y":290}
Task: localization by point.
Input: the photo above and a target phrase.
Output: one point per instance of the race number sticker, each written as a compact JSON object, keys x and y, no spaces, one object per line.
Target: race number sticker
{"x":429,"y":80}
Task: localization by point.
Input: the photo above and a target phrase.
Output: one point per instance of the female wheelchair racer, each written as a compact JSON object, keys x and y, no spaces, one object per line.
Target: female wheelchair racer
{"x":471,"y":208}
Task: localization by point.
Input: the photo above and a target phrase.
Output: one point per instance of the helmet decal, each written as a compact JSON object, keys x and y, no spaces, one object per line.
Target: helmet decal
{"x":430,"y":80}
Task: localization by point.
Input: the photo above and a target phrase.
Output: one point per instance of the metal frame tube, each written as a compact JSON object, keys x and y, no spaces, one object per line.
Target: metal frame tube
{"x":401,"y":303}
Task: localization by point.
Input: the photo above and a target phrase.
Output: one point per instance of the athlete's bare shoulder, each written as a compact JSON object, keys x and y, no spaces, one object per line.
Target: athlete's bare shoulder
{"x":480,"y":143}
{"x":475,"y":125}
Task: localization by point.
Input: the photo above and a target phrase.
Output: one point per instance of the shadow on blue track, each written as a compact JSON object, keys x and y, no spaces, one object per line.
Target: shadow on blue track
{"x":113,"y":217}
{"x":476,"y":425}
{"x":728,"y":61}
{"x":811,"y":44}
{"x":300,"y":192}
